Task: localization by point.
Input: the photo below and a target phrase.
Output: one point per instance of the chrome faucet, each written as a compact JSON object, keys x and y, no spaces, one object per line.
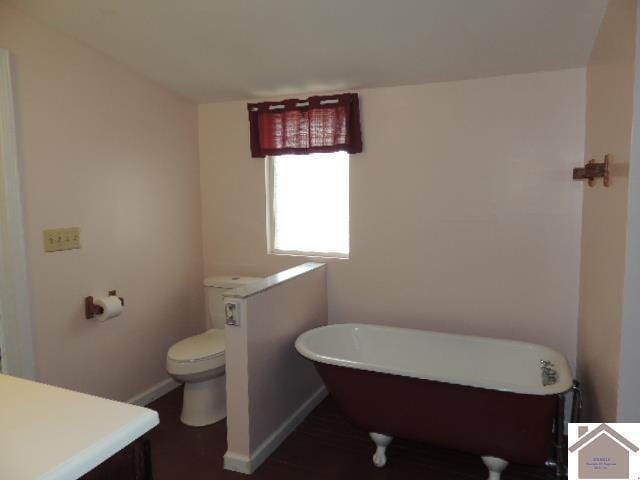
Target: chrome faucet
{"x":549,"y":373}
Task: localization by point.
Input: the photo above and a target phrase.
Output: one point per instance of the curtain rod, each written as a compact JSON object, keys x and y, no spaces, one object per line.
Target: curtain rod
{"x":300,"y":104}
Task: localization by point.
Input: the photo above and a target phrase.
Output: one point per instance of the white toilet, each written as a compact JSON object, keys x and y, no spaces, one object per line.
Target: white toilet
{"x":199,"y":361}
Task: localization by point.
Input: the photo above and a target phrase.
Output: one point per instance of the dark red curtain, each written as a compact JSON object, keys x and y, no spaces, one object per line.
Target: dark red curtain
{"x":318,"y":124}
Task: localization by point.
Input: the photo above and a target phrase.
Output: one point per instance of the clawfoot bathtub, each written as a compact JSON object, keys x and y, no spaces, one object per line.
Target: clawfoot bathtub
{"x":494,"y":398}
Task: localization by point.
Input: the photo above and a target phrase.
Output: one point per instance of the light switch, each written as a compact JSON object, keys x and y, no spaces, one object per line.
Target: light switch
{"x":58,"y":239}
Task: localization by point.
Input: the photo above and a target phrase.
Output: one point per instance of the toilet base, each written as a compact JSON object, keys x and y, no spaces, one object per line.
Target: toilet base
{"x":204,"y":403}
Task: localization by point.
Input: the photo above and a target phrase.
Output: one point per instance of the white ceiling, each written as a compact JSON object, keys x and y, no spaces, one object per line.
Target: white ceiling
{"x":212,"y":50}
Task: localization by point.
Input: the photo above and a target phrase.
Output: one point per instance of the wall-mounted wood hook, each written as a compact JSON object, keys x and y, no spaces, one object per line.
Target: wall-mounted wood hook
{"x":91,"y":309}
{"x":593,"y":170}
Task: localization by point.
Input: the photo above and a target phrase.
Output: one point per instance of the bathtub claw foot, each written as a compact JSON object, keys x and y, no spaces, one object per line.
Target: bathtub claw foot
{"x":495,"y":465}
{"x":380,"y":458}
{"x":382,"y":442}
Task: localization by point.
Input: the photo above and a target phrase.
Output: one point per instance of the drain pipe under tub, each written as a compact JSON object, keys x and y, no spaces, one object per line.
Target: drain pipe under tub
{"x":560,"y":462}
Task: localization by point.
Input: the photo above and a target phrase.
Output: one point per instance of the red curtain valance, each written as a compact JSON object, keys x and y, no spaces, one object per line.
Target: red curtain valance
{"x":318,"y":124}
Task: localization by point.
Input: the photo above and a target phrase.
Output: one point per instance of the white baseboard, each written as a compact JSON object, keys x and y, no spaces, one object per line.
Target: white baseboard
{"x":158,"y":390}
{"x":243,"y":464}
{"x":235,"y":462}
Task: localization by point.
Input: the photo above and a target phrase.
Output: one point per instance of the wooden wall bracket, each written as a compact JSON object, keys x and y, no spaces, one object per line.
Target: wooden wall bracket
{"x":593,"y":170}
{"x":91,"y":309}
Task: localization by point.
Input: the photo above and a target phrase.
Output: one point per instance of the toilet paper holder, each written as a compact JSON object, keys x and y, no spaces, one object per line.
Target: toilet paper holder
{"x":91,"y":309}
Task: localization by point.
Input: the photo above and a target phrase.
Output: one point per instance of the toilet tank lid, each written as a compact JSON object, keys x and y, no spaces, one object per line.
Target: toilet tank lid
{"x":229,"y":281}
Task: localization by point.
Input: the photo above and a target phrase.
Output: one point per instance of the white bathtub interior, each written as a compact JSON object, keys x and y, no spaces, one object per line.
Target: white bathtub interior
{"x":497,"y":364}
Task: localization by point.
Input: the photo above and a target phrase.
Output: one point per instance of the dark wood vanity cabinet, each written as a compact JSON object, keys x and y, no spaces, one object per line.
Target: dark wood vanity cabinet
{"x":131,"y":463}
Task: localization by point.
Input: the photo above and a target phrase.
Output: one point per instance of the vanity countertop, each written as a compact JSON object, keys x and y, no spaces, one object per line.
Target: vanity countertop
{"x":49,"y":433}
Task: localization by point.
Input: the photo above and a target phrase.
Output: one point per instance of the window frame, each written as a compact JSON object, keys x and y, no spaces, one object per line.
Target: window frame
{"x":271,"y":221}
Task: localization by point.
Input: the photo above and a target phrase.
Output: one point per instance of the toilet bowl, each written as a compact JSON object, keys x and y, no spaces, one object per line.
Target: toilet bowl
{"x":199,"y":361}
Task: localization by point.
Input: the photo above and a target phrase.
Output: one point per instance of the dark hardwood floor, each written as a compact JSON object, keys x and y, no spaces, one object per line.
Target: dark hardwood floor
{"x":325,"y":446}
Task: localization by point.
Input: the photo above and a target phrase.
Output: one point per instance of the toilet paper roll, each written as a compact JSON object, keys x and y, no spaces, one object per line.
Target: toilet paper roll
{"x":111,"y":307}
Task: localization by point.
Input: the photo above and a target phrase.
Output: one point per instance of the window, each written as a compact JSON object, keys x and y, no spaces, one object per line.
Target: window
{"x":308,"y":204}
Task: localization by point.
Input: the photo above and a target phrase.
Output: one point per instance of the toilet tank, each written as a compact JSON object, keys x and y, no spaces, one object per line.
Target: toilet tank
{"x":214,"y":288}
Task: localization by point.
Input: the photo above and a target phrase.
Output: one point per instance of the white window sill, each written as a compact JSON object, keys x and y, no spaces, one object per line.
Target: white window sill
{"x":324,"y":256}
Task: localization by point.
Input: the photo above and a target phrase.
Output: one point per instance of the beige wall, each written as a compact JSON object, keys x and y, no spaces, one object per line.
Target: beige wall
{"x":109,"y":151}
{"x":610,"y":84}
{"x":267,"y":380}
{"x":464,"y":217}
{"x":280,"y":380}
{"x":629,"y":392}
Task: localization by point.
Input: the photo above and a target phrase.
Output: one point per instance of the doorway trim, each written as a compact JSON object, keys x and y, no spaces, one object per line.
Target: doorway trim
{"x":16,"y":337}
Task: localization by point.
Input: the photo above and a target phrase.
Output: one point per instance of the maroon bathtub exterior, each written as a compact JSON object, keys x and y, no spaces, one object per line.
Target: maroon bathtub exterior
{"x":515,"y":427}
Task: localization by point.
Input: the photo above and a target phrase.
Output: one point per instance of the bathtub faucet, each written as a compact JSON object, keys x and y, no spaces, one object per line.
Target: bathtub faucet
{"x":549,"y":373}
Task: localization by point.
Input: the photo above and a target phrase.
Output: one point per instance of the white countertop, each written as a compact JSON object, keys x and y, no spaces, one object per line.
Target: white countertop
{"x":50,"y":433}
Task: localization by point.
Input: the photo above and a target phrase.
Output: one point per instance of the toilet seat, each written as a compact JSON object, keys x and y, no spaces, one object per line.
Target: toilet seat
{"x":198,"y":353}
